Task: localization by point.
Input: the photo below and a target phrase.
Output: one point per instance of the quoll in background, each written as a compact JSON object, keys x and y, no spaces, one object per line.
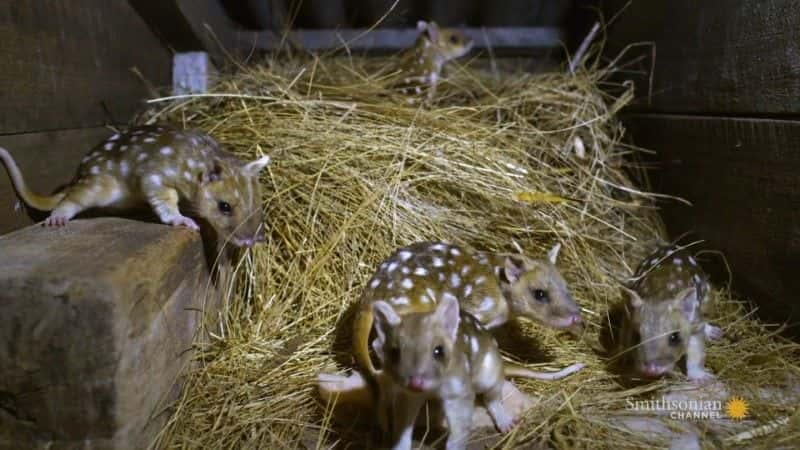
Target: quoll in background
{"x":98,"y":317}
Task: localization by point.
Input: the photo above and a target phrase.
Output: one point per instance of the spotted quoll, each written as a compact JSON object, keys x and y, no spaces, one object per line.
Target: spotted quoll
{"x":442,"y":355}
{"x":493,"y":287}
{"x":421,"y":65}
{"x":668,"y":295}
{"x":160,"y":166}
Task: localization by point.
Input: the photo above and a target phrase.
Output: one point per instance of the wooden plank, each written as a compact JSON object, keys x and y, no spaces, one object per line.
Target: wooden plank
{"x":62,"y":63}
{"x":743,"y":178}
{"x":712,"y":57}
{"x":97,"y":321}
{"x":47,"y":160}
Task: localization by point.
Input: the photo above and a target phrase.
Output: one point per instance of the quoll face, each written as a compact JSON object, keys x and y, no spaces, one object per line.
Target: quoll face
{"x":417,"y":350}
{"x":537,"y":290}
{"x":448,"y":43}
{"x":668,"y":293}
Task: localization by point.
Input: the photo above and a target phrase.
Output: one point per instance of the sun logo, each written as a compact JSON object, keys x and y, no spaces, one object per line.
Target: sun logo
{"x":737,"y":408}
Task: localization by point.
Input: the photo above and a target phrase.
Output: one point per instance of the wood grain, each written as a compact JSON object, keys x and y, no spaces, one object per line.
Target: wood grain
{"x":743,"y":178}
{"x":713,"y":57}
{"x":62,"y":62}
{"x":47,"y":160}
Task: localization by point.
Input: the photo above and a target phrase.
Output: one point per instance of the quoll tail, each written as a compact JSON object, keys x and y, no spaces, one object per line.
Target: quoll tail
{"x":514,"y":370}
{"x":362,"y":328}
{"x":32,"y":199}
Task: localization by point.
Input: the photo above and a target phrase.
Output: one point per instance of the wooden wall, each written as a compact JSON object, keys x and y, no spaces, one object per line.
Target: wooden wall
{"x":722,"y":111}
{"x":68,"y":70}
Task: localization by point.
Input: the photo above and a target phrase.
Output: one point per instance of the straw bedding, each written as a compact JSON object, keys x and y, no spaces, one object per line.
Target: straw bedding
{"x":501,"y":161}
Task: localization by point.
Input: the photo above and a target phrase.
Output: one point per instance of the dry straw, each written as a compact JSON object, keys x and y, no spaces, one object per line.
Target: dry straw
{"x":495,"y":163}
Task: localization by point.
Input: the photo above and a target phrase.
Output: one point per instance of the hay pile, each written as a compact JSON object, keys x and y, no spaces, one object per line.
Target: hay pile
{"x":496,"y":163}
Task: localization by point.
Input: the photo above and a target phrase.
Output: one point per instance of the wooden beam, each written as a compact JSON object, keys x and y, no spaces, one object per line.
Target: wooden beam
{"x":743,"y":178}
{"x":711,"y":57}
{"x":73,"y":67}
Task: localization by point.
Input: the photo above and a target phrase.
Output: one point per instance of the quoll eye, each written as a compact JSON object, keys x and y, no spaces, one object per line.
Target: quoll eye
{"x":225,"y":208}
{"x":438,"y":352}
{"x":674,"y":339}
{"x":541,"y":295}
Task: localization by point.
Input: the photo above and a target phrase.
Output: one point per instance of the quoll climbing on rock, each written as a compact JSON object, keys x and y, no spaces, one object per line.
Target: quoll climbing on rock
{"x":160,"y":166}
{"x":421,"y":66}
{"x":668,"y":295}
{"x":493,"y":287}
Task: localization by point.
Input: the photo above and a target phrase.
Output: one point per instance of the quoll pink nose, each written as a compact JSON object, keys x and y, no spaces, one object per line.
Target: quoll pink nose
{"x":652,"y":370}
{"x":416,"y":383}
{"x":576,"y":319}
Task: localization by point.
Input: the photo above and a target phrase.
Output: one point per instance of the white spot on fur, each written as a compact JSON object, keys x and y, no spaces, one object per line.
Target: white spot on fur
{"x":95,"y":170}
{"x":407,"y":283}
{"x":124,"y":168}
{"x":109,"y":146}
{"x":375,"y":283}
{"x":400,"y":301}
{"x":487,"y":303}
{"x":455,"y":280}
{"x":677,"y":261}
{"x":86,"y":159}
{"x":465,"y":270}
{"x":421,"y":271}
{"x":188,"y":176}
{"x":441,"y":277}
{"x":109,"y":164}
{"x":480,"y":280}
{"x":166,"y":151}
{"x":141,"y":156}
{"x":114,"y":137}
{"x":191,"y":163}
{"x":123,"y":148}
{"x":454,"y":251}
{"x":392,"y":266}
{"x":438,"y":262}
{"x":467,"y":290}
{"x":474,"y":345}
{"x":404,"y":255}
{"x":438,"y":247}
{"x":155,"y":179}
{"x":170,"y":172}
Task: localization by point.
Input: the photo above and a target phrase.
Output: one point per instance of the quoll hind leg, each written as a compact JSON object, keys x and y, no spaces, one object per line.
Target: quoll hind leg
{"x":87,"y":193}
{"x":404,"y":411}
{"x":164,"y":201}
{"x":459,"y":413}
{"x":493,"y":399}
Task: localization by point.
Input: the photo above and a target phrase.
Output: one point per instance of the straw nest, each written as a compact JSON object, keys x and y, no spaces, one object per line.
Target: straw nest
{"x":499,"y":162}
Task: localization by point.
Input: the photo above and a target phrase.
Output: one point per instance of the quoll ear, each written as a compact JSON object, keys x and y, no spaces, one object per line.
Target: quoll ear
{"x":216,"y":172}
{"x":385,"y":319}
{"x":633,"y":296}
{"x":448,"y":312}
{"x":552,"y":255}
{"x":254,"y":167}
{"x":430,"y":28}
{"x":513,"y":269}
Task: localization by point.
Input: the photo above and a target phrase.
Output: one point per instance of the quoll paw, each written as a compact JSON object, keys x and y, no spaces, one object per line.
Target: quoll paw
{"x":713,"y":332}
{"x":507,"y":424}
{"x":55,"y":221}
{"x":183,"y":221}
{"x":701,"y":376}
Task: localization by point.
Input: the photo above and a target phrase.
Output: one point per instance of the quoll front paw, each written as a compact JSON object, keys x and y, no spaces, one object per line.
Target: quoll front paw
{"x":55,"y":221}
{"x":713,"y":332}
{"x":183,"y":221}
{"x":700,"y":376}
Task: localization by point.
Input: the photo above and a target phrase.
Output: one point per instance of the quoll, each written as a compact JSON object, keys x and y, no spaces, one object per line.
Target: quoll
{"x":421,"y":66}
{"x":443,"y":355}
{"x":668,"y":296}
{"x":160,"y":166}
{"x":493,"y":287}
